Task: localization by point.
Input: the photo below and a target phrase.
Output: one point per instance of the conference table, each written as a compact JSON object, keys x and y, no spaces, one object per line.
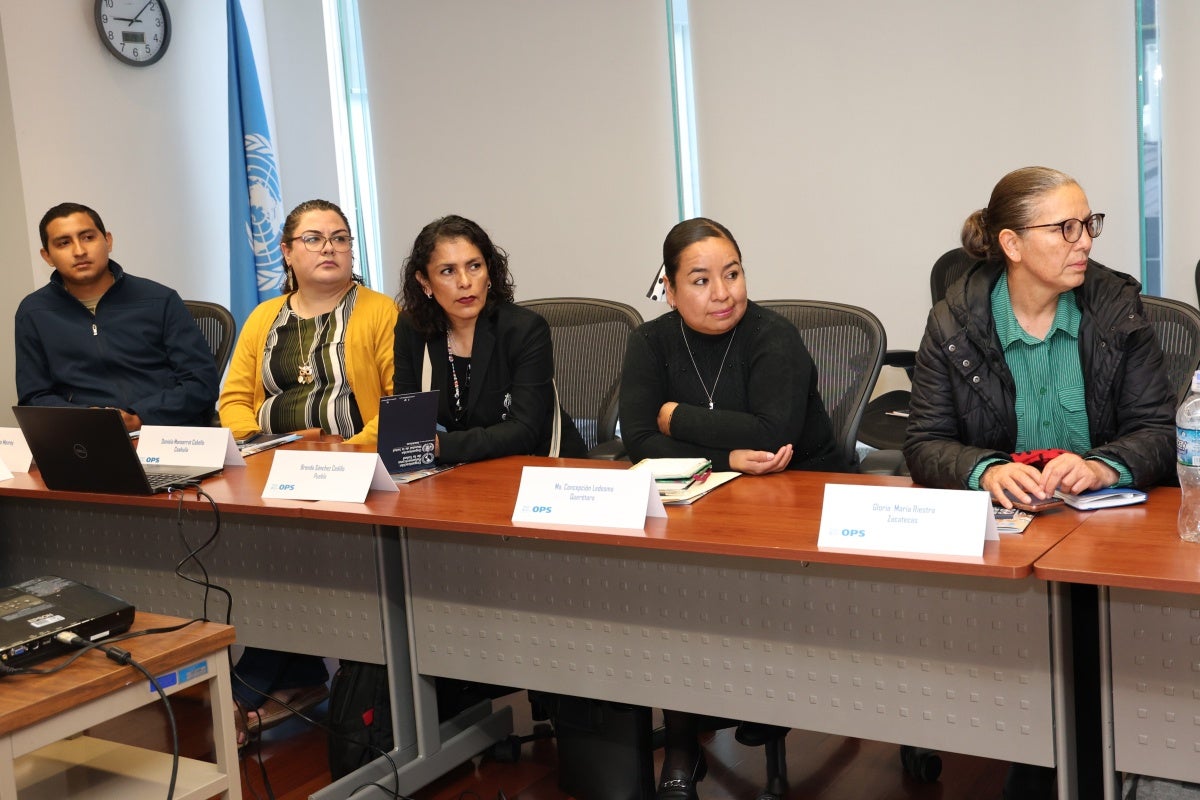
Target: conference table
{"x":1149,"y":583}
{"x":725,"y":607}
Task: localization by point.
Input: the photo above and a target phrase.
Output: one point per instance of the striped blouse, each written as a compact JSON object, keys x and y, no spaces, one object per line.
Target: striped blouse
{"x":304,"y":373}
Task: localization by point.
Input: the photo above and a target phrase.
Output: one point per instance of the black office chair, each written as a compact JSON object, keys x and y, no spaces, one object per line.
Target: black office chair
{"x":589,"y":348}
{"x":218,"y":327}
{"x":884,"y":423}
{"x":847,"y":344}
{"x":1178,"y":328}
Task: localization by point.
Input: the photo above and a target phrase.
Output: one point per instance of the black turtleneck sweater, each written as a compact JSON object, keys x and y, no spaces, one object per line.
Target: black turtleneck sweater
{"x":766,"y":395}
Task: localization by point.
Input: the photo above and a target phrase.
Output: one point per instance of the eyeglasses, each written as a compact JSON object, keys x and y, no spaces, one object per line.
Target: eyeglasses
{"x":1072,"y":229}
{"x":315,"y":242}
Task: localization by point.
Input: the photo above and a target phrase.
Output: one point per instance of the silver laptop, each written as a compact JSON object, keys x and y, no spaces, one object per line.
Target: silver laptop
{"x":89,"y":450}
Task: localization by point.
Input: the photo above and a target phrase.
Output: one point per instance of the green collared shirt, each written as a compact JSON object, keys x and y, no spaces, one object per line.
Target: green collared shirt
{"x":1051,"y":400}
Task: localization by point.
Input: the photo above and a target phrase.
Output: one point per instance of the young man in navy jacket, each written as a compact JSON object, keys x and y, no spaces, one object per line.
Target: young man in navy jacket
{"x":96,"y":336}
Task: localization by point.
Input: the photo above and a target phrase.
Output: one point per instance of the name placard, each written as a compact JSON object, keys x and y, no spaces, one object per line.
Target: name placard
{"x":947,"y":522}
{"x":14,"y":453}
{"x":604,"y":498}
{"x":179,"y":445}
{"x":326,"y":475}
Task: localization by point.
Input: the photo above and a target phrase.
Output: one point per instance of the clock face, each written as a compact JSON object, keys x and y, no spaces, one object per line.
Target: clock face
{"x":135,"y":31}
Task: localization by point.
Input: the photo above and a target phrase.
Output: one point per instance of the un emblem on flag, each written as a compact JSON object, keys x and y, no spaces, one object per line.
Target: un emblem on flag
{"x":266,"y":212}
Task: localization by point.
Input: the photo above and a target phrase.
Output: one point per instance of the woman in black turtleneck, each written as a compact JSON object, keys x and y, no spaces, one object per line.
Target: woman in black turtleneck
{"x":722,"y":378}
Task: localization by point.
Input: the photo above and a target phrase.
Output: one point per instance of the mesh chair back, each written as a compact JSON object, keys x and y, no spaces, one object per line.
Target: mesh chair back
{"x":218,"y":327}
{"x":1178,"y":328}
{"x":950,"y":266}
{"x":589,"y":349}
{"x":847,"y":344}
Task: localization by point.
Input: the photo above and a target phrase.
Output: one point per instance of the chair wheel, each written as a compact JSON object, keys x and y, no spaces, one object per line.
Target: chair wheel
{"x":768,"y":796}
{"x":920,"y":764}
{"x":543,"y":730}
{"x":507,"y":750}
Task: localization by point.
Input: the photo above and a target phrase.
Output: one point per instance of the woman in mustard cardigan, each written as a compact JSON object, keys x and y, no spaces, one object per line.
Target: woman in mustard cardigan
{"x":320,"y":356}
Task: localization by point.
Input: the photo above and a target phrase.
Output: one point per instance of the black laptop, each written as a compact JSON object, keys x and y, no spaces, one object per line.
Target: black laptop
{"x":89,"y":450}
{"x":31,"y":613}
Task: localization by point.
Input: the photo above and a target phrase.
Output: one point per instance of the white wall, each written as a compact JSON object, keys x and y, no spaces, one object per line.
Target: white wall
{"x":13,"y":229}
{"x":146,"y":147}
{"x":845,"y":143}
{"x":303,"y":115}
{"x":548,"y":123}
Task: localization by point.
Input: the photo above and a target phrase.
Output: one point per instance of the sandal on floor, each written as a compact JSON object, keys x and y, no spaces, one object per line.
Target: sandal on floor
{"x":242,"y":720}
{"x":283,"y":704}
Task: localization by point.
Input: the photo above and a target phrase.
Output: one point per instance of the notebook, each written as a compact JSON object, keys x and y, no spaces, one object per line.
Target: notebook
{"x":89,"y":450}
{"x":31,"y":613}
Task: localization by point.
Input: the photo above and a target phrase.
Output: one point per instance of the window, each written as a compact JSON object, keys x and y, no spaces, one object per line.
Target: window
{"x":687,"y":164}
{"x":352,"y":130}
{"x":1149,"y":140}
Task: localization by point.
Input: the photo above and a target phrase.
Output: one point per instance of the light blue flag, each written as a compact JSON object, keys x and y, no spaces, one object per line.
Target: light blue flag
{"x":255,"y":202}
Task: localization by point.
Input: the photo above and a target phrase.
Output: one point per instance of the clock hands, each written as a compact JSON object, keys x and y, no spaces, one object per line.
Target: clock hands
{"x":138,"y":17}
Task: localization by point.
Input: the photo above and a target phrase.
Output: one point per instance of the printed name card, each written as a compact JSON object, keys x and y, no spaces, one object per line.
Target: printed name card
{"x":326,"y":475}
{"x":177,"y":445}
{"x":14,"y":453}
{"x":945,"y":522}
{"x":605,"y":498}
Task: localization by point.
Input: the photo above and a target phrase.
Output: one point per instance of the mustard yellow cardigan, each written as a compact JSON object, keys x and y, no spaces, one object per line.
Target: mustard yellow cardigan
{"x":369,"y":364}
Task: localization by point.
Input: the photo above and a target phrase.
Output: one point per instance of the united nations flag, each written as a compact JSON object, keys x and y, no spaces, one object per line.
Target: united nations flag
{"x":255,"y":201}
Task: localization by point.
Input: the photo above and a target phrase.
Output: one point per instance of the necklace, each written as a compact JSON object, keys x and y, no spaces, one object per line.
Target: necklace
{"x":458,"y":404}
{"x":306,"y":374}
{"x":720,"y":369}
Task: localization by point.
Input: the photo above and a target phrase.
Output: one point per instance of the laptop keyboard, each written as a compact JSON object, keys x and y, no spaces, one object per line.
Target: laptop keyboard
{"x":163,"y":480}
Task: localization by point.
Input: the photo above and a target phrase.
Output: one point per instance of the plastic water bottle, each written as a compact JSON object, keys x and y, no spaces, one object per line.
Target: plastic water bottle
{"x":1187,"y":445}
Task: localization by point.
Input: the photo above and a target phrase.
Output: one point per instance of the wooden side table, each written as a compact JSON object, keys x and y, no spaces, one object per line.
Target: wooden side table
{"x":43,"y":755}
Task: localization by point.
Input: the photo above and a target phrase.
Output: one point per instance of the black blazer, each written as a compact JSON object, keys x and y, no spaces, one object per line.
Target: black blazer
{"x":511,"y":399}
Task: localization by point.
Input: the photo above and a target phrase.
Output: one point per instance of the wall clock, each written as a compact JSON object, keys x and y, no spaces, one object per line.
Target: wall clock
{"x":137,"y":32}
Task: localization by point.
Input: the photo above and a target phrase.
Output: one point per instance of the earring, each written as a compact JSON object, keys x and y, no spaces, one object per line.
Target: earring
{"x":429,"y":295}
{"x":489,"y":284}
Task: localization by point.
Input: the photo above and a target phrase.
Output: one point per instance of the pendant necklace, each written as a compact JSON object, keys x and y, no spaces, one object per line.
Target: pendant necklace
{"x":720,"y":369}
{"x":458,"y":404}
{"x":306,"y":374}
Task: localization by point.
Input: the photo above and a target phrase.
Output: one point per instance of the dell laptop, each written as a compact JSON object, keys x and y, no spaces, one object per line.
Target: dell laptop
{"x":89,"y":450}
{"x":34,"y":612}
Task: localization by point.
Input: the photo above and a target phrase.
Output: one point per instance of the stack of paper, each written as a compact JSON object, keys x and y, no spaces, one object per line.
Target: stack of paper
{"x":676,"y":474}
{"x":681,"y":481}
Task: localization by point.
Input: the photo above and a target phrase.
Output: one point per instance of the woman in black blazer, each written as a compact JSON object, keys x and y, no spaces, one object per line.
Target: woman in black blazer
{"x":491,"y":360}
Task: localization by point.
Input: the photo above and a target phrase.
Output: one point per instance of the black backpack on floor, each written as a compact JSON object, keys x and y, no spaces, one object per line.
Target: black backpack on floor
{"x":360,"y":716}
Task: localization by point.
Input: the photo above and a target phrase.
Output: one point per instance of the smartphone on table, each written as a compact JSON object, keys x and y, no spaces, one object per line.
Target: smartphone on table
{"x":1034,"y":505}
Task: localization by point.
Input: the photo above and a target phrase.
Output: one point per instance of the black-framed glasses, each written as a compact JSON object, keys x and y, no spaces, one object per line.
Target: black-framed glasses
{"x":315,"y":242}
{"x":1072,"y":229}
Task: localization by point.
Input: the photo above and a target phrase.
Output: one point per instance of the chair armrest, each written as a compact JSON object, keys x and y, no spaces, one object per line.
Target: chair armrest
{"x":612,"y":450}
{"x":883,"y":462}
{"x":901,"y":359}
